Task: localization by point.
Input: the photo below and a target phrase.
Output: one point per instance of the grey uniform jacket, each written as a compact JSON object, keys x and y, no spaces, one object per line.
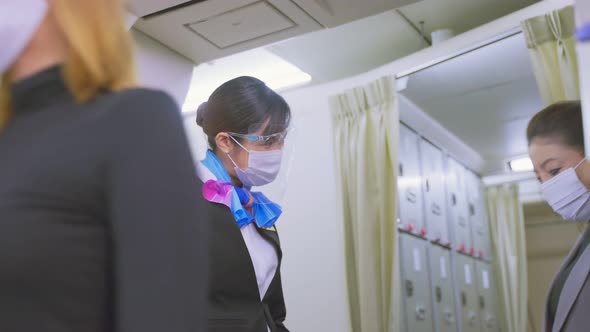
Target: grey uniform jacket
{"x":573,"y":308}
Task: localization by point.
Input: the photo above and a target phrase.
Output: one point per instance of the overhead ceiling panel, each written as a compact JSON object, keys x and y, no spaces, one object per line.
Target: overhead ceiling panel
{"x":331,"y":13}
{"x":503,"y":61}
{"x":460,"y":15}
{"x":204,"y":30}
{"x":212,"y":29}
{"x":142,"y":8}
{"x":242,"y":25}
{"x":361,"y":45}
{"x":351,"y":48}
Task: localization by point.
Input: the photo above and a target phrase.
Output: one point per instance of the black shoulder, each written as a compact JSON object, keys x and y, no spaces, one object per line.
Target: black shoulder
{"x":141,"y":102}
{"x":139,"y":116}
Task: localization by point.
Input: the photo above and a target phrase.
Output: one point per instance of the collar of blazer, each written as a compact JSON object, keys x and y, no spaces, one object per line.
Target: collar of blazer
{"x":573,"y":284}
{"x":270,"y":234}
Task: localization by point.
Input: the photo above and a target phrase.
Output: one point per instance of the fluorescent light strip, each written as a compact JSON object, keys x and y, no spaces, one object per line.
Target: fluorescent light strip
{"x":277,"y":73}
{"x":523,"y":164}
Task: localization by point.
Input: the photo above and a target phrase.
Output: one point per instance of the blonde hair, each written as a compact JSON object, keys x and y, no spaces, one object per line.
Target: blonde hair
{"x":100,"y":53}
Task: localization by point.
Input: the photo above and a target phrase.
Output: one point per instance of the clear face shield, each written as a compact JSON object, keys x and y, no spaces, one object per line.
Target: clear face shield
{"x":270,"y":153}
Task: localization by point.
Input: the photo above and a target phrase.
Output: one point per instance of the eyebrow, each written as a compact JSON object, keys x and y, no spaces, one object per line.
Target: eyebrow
{"x":547,"y":161}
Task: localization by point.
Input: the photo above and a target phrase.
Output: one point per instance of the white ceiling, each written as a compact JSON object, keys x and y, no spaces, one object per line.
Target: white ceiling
{"x":368,"y":43}
{"x":312,"y":34}
{"x":484,"y":97}
{"x":205,"y":30}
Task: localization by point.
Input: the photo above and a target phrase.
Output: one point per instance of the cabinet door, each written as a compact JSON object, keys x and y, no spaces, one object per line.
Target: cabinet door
{"x":458,"y":206}
{"x":417,"y":305}
{"x":467,"y":289}
{"x":442,"y":286}
{"x":478,"y":217}
{"x":433,"y":171}
{"x":487,"y":297}
{"x":411,"y":217}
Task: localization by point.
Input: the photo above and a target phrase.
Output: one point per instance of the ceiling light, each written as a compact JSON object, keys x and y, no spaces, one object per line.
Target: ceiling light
{"x":523,"y":164}
{"x":277,"y":73}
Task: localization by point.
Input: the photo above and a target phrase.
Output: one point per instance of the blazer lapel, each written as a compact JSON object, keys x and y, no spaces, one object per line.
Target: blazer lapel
{"x":564,"y":263}
{"x":573,"y":284}
{"x":272,"y":236}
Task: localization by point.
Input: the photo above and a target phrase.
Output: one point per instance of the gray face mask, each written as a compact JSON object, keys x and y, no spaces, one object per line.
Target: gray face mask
{"x":568,"y":196}
{"x":19,"y":19}
{"x":263,"y":167}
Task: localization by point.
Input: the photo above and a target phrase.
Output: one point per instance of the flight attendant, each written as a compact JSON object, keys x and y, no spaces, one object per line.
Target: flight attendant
{"x":556,"y":147}
{"x":246,"y":124}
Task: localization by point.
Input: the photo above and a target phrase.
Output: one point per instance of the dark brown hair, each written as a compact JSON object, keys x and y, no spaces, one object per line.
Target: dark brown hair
{"x":562,"y":121}
{"x":239,"y":105}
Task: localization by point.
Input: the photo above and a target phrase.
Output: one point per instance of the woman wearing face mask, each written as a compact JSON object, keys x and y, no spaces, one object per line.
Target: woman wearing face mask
{"x":100,"y":225}
{"x":246,"y":124}
{"x":556,"y":147}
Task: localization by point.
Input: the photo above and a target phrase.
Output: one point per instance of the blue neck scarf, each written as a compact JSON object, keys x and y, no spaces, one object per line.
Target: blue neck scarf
{"x":264,"y":212}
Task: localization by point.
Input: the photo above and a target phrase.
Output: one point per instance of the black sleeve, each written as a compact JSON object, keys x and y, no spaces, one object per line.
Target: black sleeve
{"x":158,"y":219}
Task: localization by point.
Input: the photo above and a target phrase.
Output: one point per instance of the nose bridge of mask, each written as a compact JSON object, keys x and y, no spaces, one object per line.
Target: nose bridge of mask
{"x":258,"y":154}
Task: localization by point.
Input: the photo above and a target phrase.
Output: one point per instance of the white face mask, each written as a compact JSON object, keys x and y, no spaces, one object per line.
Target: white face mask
{"x":18,"y":22}
{"x":568,"y":196}
{"x":263,"y":167}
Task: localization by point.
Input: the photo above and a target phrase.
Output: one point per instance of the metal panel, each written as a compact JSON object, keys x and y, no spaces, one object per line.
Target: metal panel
{"x":467,"y":290}
{"x":458,"y":206}
{"x":411,"y":209}
{"x":442,"y":285}
{"x":433,"y":171}
{"x":479,"y":217}
{"x":487,"y":297}
{"x":415,"y":284}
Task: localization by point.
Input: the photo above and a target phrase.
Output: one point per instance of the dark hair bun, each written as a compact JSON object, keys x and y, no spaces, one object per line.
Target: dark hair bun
{"x":201,"y":113}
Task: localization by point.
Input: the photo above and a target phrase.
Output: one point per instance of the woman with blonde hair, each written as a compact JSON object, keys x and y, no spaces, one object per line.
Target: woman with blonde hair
{"x":101,"y":228}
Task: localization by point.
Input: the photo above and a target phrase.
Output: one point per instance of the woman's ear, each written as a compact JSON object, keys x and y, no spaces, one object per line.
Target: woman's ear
{"x":224,"y":142}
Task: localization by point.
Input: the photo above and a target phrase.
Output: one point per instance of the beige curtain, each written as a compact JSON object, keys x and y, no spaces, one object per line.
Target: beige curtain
{"x":509,"y":252}
{"x":552,"y":47}
{"x":365,"y":124}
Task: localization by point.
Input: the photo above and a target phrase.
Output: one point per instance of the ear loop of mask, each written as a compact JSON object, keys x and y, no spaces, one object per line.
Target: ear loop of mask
{"x":581,"y":227}
{"x":230,"y":158}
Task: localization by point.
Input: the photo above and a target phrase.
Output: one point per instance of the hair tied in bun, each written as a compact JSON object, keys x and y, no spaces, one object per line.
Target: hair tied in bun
{"x":201,"y":113}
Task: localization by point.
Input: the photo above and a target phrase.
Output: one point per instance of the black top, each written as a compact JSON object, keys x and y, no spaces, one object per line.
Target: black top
{"x":234,"y":298}
{"x":562,"y":276}
{"x":101,"y":228}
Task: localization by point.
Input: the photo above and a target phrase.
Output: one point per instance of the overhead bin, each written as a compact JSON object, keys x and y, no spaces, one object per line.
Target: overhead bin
{"x":411,"y":206}
{"x":458,"y":206}
{"x":432,"y":164}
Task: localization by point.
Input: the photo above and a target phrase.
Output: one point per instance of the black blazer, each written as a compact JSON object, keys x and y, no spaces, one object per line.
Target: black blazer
{"x":573,"y":307}
{"x":234,"y":298}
